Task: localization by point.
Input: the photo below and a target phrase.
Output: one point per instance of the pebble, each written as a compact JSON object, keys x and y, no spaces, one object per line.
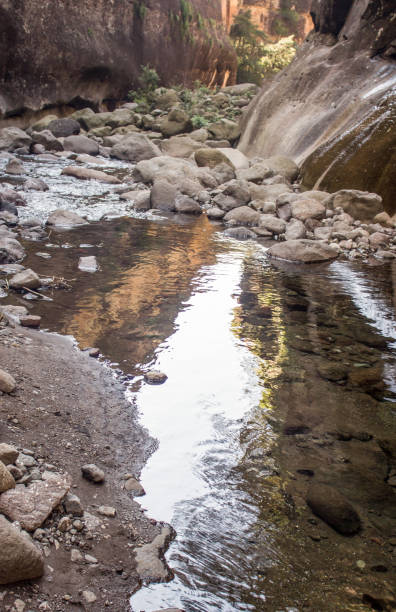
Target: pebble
{"x":7,"y":382}
{"x":90,"y":559}
{"x":94,"y":352}
{"x":134,"y":487}
{"x":93,"y":473}
{"x":64,"y":524}
{"x":30,"y":321}
{"x":155,"y":377}
{"x":89,"y":596}
{"x":73,"y":505}
{"x":75,"y":555}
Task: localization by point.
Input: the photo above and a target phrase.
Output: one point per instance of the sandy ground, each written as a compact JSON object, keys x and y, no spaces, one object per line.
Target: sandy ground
{"x":70,"y":410}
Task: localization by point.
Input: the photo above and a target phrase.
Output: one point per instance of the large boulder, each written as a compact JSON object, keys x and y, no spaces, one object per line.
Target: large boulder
{"x":272,"y":224}
{"x":186,"y":205}
{"x":256,"y":173}
{"x":359,"y":204}
{"x":236,"y":158}
{"x":171,"y":168}
{"x":331,"y":506}
{"x":43,"y":123}
{"x":139,"y":199}
{"x":135,"y":148}
{"x":295,"y":230}
{"x":81,"y":144}
{"x":96,"y":120}
{"x":19,"y":558}
{"x":81,"y":115}
{"x":90,"y":174}
{"x":307,"y":209}
{"x":64,"y":127}
{"x":210,"y":158}
{"x":238,"y":189}
{"x":166,"y":99}
{"x":283,"y":166}
{"x":26,"y":279}
{"x":267,"y":193}
{"x":121,"y":118}
{"x":180,"y":146}
{"x":12,"y":138}
{"x":303,"y":251}
{"x":242,"y":89}
{"x":176,"y":122}
{"x":242,"y":215}
{"x":65,"y":219}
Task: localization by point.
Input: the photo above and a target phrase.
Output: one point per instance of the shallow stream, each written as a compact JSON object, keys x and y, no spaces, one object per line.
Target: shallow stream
{"x":278,"y":376}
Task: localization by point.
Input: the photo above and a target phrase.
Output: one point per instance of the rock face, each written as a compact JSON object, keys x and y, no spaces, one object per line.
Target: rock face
{"x":19,"y":558}
{"x":333,"y":108}
{"x":99,"y":49}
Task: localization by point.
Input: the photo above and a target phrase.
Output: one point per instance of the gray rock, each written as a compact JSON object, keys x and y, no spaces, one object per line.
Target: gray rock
{"x":93,"y":473}
{"x":295,"y":230}
{"x":81,"y":144}
{"x":140,"y":199}
{"x":64,"y":127}
{"x":240,"y":233}
{"x":133,"y":486}
{"x":135,"y":148}
{"x":65,"y":218}
{"x":12,"y":138}
{"x":88,"y":264}
{"x":13,"y":313}
{"x":303,"y":251}
{"x":242,"y":89}
{"x":224,"y":129}
{"x":8,"y":453}
{"x":225,"y":202}
{"x":149,"y":558}
{"x":19,"y":558}
{"x":238,"y":189}
{"x":284,"y":166}
{"x":73,"y":505}
{"x":236,"y":159}
{"x":210,"y":158}
{"x":307,"y":209}
{"x":180,"y":146}
{"x":7,"y":382}
{"x":272,"y":224}
{"x":14,"y":166}
{"x":33,"y":184}
{"x":31,"y":505}
{"x":176,"y":122}
{"x":108,"y":511}
{"x":27,"y":278}
{"x":267,"y":193}
{"x":186,"y":205}
{"x":328,"y":503}
{"x":243,"y":215}
{"x":163,"y":195}
{"x":359,"y":204}
{"x":256,"y":173}
{"x":215,"y":213}
{"x":90,"y":174}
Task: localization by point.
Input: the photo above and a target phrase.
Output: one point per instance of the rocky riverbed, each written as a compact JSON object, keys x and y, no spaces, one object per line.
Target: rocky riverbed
{"x":62,"y":411}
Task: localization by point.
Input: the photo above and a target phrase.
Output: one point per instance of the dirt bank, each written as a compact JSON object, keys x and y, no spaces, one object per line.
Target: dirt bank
{"x":70,"y":410}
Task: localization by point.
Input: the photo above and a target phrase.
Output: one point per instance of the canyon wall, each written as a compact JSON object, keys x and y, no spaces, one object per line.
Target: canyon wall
{"x":62,"y":52}
{"x":334,"y":108}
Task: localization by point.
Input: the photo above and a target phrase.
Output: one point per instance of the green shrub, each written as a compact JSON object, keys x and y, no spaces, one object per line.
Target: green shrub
{"x":197,"y":121}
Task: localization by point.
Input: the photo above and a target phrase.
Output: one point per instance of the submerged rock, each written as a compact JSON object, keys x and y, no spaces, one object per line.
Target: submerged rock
{"x":65,"y":218}
{"x":327,"y":503}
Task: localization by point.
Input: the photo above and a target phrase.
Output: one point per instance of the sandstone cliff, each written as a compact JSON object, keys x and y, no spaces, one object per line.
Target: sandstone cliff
{"x":57,"y":52}
{"x":334,"y":107}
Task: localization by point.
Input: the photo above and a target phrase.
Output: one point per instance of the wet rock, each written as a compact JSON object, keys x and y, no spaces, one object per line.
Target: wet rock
{"x":88,"y":264}
{"x":8,"y":453}
{"x":210,"y":158}
{"x":12,"y":138}
{"x":240,"y":233}
{"x":284,"y":166}
{"x":19,"y":558}
{"x":30,"y":321}
{"x":133,"y":486}
{"x":378,"y":239}
{"x":328,"y":503}
{"x":94,"y":352}
{"x":90,"y":174}
{"x":367,"y":378}
{"x":359,"y":204}
{"x":73,"y":505}
{"x":33,"y":184}
{"x":10,"y":250}
{"x":93,"y":473}
{"x":31,"y":505}
{"x":215,"y":213}
{"x":243,"y":215}
{"x":333,"y":371}
{"x":380,"y":599}
{"x":14,"y":166}
{"x":25,"y":279}
{"x":13,"y":313}
{"x":7,"y":382}
{"x":226,"y":202}
{"x":81,"y":144}
{"x":135,"y":148}
{"x":155,"y":377}
{"x":186,"y":205}
{"x":149,"y":564}
{"x":6,"y":479}
{"x":140,"y":199}
{"x":307,"y":209}
{"x":303,"y":251}
{"x":65,"y":218}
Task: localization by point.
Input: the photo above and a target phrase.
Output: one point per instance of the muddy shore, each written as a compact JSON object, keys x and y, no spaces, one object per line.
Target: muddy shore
{"x":70,"y":410}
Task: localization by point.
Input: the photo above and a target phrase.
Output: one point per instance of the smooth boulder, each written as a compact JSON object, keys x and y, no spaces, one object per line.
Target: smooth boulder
{"x":65,"y":218}
{"x":87,"y":174}
{"x":360,"y":205}
{"x":135,"y":148}
{"x":81,"y":144}
{"x":303,"y":251}
{"x":64,"y":127}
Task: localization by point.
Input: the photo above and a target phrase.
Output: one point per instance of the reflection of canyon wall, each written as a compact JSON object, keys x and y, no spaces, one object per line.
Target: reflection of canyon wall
{"x":145,"y":290}
{"x":54,"y":52}
{"x":334,"y":106}
{"x":268,"y":16}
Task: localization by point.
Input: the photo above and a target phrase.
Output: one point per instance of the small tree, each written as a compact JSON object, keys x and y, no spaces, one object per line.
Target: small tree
{"x":247,"y":39}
